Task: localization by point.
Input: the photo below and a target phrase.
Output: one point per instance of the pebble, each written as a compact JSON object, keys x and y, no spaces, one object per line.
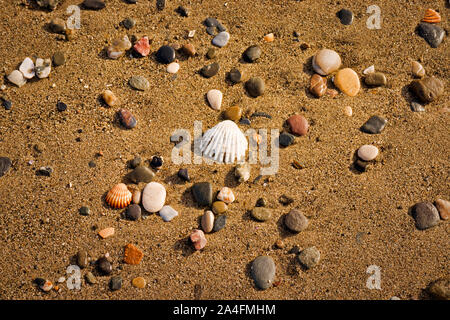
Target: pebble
{"x":5,"y":164}
{"x":210,"y":70}
{"x":235,"y":76}
{"x":173,"y":67}
{"x":48,"y":4}
{"x":245,"y":121}
{"x":132,"y":255}
{"x":417,"y":107}
{"x":348,"y":82}
{"x":211,"y":30}
{"x":219,"y":223}
{"x":198,"y":239}
{"x":296,"y":221}
{"x":135,"y":162}
{"x":285,"y":200}
{"x":142,"y":174}
{"x":16,"y":77}
{"x":165,"y":54}
{"x":106,"y":233}
{"x":367,"y":152}
{"x":183,"y":174}
{"x":133,"y":212}
{"x":369,"y":70}
{"x":427,"y":89}
{"x":94,"y":4}
{"x":136,"y":197}
{"x":261,"y":202}
{"x":298,"y":125}
{"x":417,"y":69}
{"x":440,"y":289}
{"x":191,"y":33}
{"x":45,"y":285}
{"x":57,"y":25}
{"x":27,"y":68}
{"x":261,"y":114}
{"x":202,"y":192}
{"x":59,"y":58}
{"x":211,"y":54}
{"x":82,"y":259}
{"x":219,"y":207}
{"x":214,"y":98}
{"x":443,"y":206}
{"x":127,"y":119}
{"x":252,"y":53}
{"x":374,"y":125}
{"x":139,"y":282}
{"x":118,"y":47}
{"x":286,"y":139}
{"x":45,"y":171}
{"x":139,"y":83}
{"x":233,"y":113}
{"x":226,"y":195}
{"x":263,"y":272}
{"x":61,"y":106}
{"x":129,"y":23}
{"x":221,"y":39}
{"x":142,"y":47}
{"x":167,"y":213}
{"x":110,"y":98}
{"x":90,"y":278}
{"x":326,"y":61}
{"x":261,"y":213}
{"x":156,"y":162}
{"x":255,"y":87}
{"x":348,"y":111}
{"x":309,"y":257}
{"x":317,"y":85}
{"x":269,"y":37}
{"x":346,"y":16}
{"x":115,"y":283}
{"x":433,"y":34}
{"x":92,"y":164}
{"x":426,"y":215}
{"x":242,"y":172}
{"x":184,"y":12}
{"x":153,"y":197}
{"x":84,"y":211}
{"x":207,"y":221}
{"x":189,"y":49}
{"x":160,"y":4}
{"x":104,"y":266}
{"x":43,"y":68}
{"x":375,"y":79}
{"x":211,"y":22}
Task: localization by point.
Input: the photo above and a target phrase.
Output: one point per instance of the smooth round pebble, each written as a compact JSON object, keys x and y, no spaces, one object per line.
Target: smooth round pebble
{"x":142,"y":174}
{"x":427,"y":89}
{"x":255,"y":87}
{"x":219,"y":207}
{"x":348,"y":82}
{"x":233,"y":113}
{"x":104,"y":266}
{"x":286,"y":139}
{"x":133,"y":212}
{"x":234,"y":76}
{"x":346,"y":16}
{"x":443,"y":206}
{"x":375,"y":79}
{"x":207,"y":221}
{"x":136,"y":197}
{"x":173,"y":67}
{"x":317,"y":85}
{"x":210,"y":70}
{"x":139,"y":282}
{"x":309,"y":257}
{"x":153,"y":197}
{"x":433,"y":34}
{"x":214,"y":98}
{"x":367,"y":152}
{"x":84,"y":211}
{"x":82,"y":259}
{"x":252,"y":53}
{"x":165,"y":54}
{"x":296,"y":221}
{"x":298,"y":125}
{"x":139,"y":83}
{"x":417,"y":69}
{"x":426,"y":215}
{"x":326,"y":61}
{"x":221,"y":39}
{"x":127,"y":119}
{"x":59,"y":58}
{"x":202,"y":192}
{"x":263,"y":271}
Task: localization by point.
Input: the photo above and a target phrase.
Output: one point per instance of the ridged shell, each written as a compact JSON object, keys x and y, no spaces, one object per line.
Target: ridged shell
{"x":119,"y":196}
{"x":431,"y":16}
{"x":224,"y":143}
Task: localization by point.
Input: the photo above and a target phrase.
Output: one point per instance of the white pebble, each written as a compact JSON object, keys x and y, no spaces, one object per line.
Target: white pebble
{"x":367,"y":152}
{"x":17,"y":78}
{"x":348,"y":111}
{"x":173,"y":67}
{"x":27,"y":68}
{"x":368,"y":70}
{"x":191,"y":34}
{"x":214,"y":97}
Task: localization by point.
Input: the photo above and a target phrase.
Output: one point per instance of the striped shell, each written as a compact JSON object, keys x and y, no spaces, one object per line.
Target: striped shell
{"x":431,"y":16}
{"x":119,"y":196}
{"x":224,"y":143}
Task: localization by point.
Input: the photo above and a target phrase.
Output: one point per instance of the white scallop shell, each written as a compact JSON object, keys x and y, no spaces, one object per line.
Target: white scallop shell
{"x":224,"y":143}
{"x":27,"y":68}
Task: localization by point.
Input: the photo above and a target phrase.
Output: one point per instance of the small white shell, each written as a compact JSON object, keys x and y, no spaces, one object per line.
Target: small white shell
{"x":224,"y":143}
{"x":43,"y":68}
{"x":27,"y":68}
{"x":17,"y":78}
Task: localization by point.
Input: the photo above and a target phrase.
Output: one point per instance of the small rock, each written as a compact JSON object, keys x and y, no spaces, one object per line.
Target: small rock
{"x":139,"y":83}
{"x":94,"y":4}
{"x":92,"y":164}
{"x":115,"y":283}
{"x":127,"y":119}
{"x":90,"y":278}
{"x":110,"y":98}
{"x":426,"y":215}
{"x":142,"y":174}
{"x":57,"y":25}
{"x":233,"y":113}
{"x":219,"y":207}
{"x":106,"y":233}
{"x":165,"y":54}
{"x":417,"y":107}
{"x":82,"y":259}
{"x":296,"y":221}
{"x":298,"y":125}
{"x":133,"y":212}
{"x":210,"y":70}
{"x":309,"y":257}
{"x":269,"y":37}
{"x":84,"y":211}
{"x":189,"y":49}
{"x":252,"y":53}
{"x":427,"y":89}
{"x":348,"y":82}
{"x":5,"y":164}
{"x":43,"y":68}
{"x":443,"y":206}
{"x":255,"y":87}
{"x":348,"y":111}
{"x":245,"y":121}
{"x":368,"y":70}
{"x":211,"y":30}
{"x":226,"y":195}
{"x":45,"y":171}
{"x":118,"y":47}
{"x":214,"y":98}
{"x":59,"y":58}
{"x":153,"y":197}
{"x":417,"y":69}
{"x":263,"y":272}
{"x":160,"y":4}
{"x":48,"y":4}
{"x":219,"y":223}
{"x":61,"y":106}
{"x":202,"y":192}
{"x":183,"y":174}
{"x":317,"y":85}
{"x":375,"y":79}
{"x":261,"y":213}
{"x":198,"y":239}
{"x":142,"y":47}
{"x":184,"y":12}
{"x":286,"y":139}
{"x":16,"y":77}
{"x":211,"y":54}
{"x":7,"y":104}
{"x":242,"y":172}
{"x":285,"y":200}
{"x":374,"y":125}
{"x":156,"y":162}
{"x":139,"y":282}
{"x":280,"y":244}
{"x":234,"y":76}
{"x":367,"y":152}
{"x":440,"y":289}
{"x":433,"y":34}
{"x":326,"y":61}
{"x":211,"y":22}
{"x":221,"y":39}
{"x":207,"y":221}
{"x":27,"y":68}
{"x":136,"y":198}
{"x":129,"y":23}
{"x":346,"y":16}
{"x":132,"y":254}
{"x":44,"y":285}
{"x":167,"y":213}
{"x":104,"y":266}
{"x":261,"y":202}
{"x":135,"y":162}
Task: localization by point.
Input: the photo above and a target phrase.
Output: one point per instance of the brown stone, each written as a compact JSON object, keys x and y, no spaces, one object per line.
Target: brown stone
{"x":443,"y":207}
{"x":132,"y":254}
{"x":318,"y":85}
{"x":427,"y":89}
{"x":296,"y":221}
{"x":298,"y":125}
{"x":139,"y":282}
{"x":233,"y":113}
{"x":219,"y":207}
{"x":189,"y":50}
{"x":348,"y":82}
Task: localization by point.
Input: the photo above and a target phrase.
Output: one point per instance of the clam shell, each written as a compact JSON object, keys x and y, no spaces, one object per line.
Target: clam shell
{"x":43,"y":68}
{"x":224,"y":143}
{"x":119,"y":196}
{"x":431,"y":16}
{"x":27,"y":68}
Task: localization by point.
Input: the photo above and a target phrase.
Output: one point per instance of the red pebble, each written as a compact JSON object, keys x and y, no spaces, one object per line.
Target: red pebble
{"x":142,"y":47}
{"x":298,"y":124}
{"x":198,"y":239}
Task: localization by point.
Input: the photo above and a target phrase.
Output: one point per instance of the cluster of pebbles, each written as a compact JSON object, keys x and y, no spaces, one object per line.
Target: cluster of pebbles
{"x":328,"y":71}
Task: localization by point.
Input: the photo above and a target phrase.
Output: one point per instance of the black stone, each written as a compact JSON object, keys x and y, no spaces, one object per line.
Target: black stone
{"x":286,"y":139}
{"x":221,"y":28}
{"x":94,"y":4}
{"x":261,"y":114}
{"x":210,"y":70}
{"x":433,"y":34}
{"x":219,"y":222}
{"x":211,"y":30}
{"x":160,"y":4}
{"x":374,"y":125}
{"x":183,"y":11}
{"x":5,"y":164}
{"x":211,"y":22}
{"x":104,"y":266}
{"x":44,"y":171}
{"x":184,"y":175}
{"x":133,"y":212}
{"x":261,"y":202}
{"x":39,"y":282}
{"x":165,"y":54}
{"x":7,"y":104}
{"x":156,"y":162}
{"x":202,"y":192}
{"x":346,"y":16}
{"x":61,"y":106}
{"x":92,"y":164}
{"x":132,"y":1}
{"x":115,"y":283}
{"x":235,"y":76}
{"x":84,"y":211}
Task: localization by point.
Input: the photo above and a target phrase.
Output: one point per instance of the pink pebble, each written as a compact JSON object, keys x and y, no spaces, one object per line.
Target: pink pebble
{"x":142,"y":47}
{"x":198,"y":239}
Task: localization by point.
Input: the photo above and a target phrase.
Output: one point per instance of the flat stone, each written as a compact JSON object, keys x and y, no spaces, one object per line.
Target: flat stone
{"x":219,"y":207}
{"x":139,"y":282}
{"x":286,"y":139}
{"x":261,"y":213}
{"x":317,"y":85}
{"x":165,"y":54}
{"x":296,"y":221}
{"x":233,"y":113}
{"x":367,"y":152}
{"x":84,"y":211}
{"x":309,"y":257}
{"x":115,"y":283}
{"x":153,"y":197}
{"x":202,"y":192}
{"x":252,"y":53}
{"x":427,"y":89}
{"x":139,"y":83}
{"x":142,"y":174}
{"x":211,"y":22}
{"x":142,"y":47}
{"x":255,"y":87}
{"x":326,"y":61}
{"x":183,"y":174}
{"x":210,"y":70}
{"x":426,"y":215}
{"x":127,"y":119}
{"x":94,"y":4}
{"x":298,"y":125}
{"x":347,"y":81}
{"x":133,"y":212}
{"x":211,"y":30}
{"x":219,"y":223}
{"x":214,"y":98}
{"x":104,"y":266}
{"x":59,"y":58}
{"x":235,"y":76}
{"x":417,"y":107}
{"x":375,"y":79}
{"x":167,"y":213}
{"x":374,"y":125}
{"x":346,"y":16}
{"x":440,"y":289}
{"x":443,"y":206}
{"x":433,"y":34}
{"x":263,"y":272}
{"x":221,"y":28}
{"x":16,"y":77}
{"x":221,"y":39}
{"x":5,"y":164}
{"x":207,"y":221}
{"x":417,"y":69}
{"x":82,"y":259}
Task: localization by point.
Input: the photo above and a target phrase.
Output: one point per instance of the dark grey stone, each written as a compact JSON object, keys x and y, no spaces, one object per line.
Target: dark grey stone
{"x":115,"y":283}
{"x":219,"y":222}
{"x":346,"y":16}
{"x":202,"y":192}
{"x":133,"y":212}
{"x":5,"y":164}
{"x":433,"y":34}
{"x":165,"y":54}
{"x":210,"y":70}
{"x":426,"y":215}
{"x":374,"y":125}
{"x":286,"y":139}
{"x":263,"y":272}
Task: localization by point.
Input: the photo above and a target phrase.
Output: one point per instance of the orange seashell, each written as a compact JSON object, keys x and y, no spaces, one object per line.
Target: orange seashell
{"x":431,"y":16}
{"x":119,"y":196}
{"x":132,"y":254}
